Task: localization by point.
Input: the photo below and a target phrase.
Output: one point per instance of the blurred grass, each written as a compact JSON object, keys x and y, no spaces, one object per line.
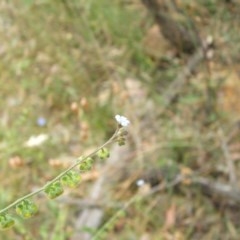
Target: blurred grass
{"x":56,"y":53}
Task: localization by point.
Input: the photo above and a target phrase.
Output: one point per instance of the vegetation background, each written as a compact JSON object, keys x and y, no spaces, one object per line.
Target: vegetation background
{"x":67,"y":67}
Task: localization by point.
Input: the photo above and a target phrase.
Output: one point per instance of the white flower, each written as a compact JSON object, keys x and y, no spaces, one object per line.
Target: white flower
{"x":123,"y":121}
{"x":34,"y":141}
{"x":140,"y":182}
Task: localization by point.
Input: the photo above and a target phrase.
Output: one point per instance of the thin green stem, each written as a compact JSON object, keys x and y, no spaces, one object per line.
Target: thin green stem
{"x":110,"y":223}
{"x":78,"y":161}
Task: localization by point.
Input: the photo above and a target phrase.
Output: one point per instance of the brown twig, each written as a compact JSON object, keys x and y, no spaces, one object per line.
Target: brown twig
{"x":216,"y":188}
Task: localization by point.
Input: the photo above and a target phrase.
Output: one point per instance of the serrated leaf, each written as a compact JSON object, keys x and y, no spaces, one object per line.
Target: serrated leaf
{"x":71,"y":179}
{"x":86,"y":165}
{"x":54,"y":190}
{"x":26,"y":209}
{"x":6,"y":221}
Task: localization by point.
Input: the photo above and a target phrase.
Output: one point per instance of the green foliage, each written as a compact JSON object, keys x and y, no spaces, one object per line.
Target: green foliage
{"x":54,"y":190}
{"x":211,"y":5}
{"x":85,"y":165}
{"x":26,"y":208}
{"x":6,"y":221}
{"x":71,"y":179}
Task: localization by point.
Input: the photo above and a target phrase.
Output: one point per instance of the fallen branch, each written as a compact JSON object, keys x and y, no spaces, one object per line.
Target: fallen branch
{"x":216,"y":188}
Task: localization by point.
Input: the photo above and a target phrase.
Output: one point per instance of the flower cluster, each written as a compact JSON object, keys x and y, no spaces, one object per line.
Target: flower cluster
{"x":122,"y":121}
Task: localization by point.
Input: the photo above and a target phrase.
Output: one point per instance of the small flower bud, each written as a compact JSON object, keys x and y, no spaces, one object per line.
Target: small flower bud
{"x":103,"y":153}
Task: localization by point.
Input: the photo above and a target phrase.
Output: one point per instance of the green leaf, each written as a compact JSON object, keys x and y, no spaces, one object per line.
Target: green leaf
{"x":54,"y":190}
{"x":26,"y":208}
{"x":6,"y":221}
{"x":86,"y":165}
{"x":71,"y":179}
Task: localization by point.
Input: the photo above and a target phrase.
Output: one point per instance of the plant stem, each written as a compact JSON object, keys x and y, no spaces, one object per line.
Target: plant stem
{"x":78,"y":161}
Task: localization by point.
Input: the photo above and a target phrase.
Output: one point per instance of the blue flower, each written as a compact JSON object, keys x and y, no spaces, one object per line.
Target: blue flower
{"x":41,"y":121}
